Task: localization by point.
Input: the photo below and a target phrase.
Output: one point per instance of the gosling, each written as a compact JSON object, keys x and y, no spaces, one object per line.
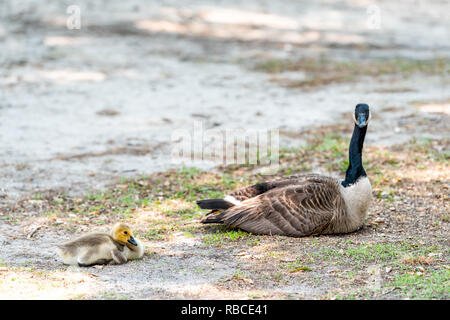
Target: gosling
{"x":101,"y":248}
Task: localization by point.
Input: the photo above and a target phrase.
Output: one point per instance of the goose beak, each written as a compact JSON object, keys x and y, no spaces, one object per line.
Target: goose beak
{"x":132,"y":241}
{"x":362,"y":121}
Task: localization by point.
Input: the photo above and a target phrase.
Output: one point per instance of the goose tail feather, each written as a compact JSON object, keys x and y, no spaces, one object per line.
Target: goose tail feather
{"x":214,"y":204}
{"x":213,"y":218}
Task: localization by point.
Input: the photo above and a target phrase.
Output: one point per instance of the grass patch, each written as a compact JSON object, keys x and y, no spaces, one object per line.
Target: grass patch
{"x":432,"y":285}
{"x":328,"y":150}
{"x":387,"y":253}
{"x":378,"y":253}
{"x":224,"y":236}
{"x":427,"y":148}
{"x":322,"y":71}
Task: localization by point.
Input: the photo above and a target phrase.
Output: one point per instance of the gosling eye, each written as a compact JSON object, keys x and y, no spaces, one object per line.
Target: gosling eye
{"x":125,"y":232}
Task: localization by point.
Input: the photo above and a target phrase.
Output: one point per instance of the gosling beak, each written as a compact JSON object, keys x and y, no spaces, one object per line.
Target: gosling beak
{"x":362,"y":121}
{"x":132,"y":241}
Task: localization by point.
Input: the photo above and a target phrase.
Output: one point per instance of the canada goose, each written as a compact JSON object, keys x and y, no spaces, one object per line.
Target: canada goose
{"x":102,"y":248}
{"x":302,"y":205}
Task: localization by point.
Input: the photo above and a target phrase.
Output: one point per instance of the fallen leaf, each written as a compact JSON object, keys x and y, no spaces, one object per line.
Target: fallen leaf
{"x":33,"y":232}
{"x":300,"y":269}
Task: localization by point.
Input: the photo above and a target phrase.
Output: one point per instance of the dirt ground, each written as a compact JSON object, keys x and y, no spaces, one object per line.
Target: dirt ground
{"x":88,"y":116}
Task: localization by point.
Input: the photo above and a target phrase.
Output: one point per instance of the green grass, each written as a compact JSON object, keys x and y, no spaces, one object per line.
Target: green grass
{"x":37,"y":196}
{"x":331,"y":150}
{"x":387,"y":253}
{"x":239,"y":274}
{"x":155,"y":233}
{"x":384,"y":254}
{"x":352,"y":262}
{"x":323,"y":72}
{"x":353,"y":68}
{"x":334,"y":144}
{"x":428,"y":285}
{"x":378,"y":253}
{"x":297,"y":266}
{"x":183,"y":185}
{"x":225,"y":235}
{"x":335,"y":148}
{"x":424,"y":146}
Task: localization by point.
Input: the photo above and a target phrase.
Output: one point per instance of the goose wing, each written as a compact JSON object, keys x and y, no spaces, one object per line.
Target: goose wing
{"x":260,"y":188}
{"x":294,"y":210}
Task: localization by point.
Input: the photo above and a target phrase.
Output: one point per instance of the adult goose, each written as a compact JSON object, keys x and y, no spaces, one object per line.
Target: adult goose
{"x":302,"y":205}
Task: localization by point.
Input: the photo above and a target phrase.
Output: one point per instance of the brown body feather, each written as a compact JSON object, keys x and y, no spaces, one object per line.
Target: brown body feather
{"x":295,"y":206}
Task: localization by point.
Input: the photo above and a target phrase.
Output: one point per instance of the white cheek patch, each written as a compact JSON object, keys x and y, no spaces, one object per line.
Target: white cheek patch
{"x":232,"y":200}
{"x":354,"y":119}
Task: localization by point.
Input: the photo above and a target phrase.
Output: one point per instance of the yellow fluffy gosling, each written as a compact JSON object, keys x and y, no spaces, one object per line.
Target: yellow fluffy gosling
{"x":101,"y":248}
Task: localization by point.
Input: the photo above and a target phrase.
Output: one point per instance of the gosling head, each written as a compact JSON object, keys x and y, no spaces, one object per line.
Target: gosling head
{"x":122,"y":233}
{"x":361,"y":116}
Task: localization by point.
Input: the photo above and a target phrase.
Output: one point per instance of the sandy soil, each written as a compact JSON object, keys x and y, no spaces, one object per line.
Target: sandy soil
{"x":82,"y":108}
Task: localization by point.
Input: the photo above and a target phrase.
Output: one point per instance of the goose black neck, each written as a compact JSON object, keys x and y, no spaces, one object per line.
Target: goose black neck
{"x":355,"y":169}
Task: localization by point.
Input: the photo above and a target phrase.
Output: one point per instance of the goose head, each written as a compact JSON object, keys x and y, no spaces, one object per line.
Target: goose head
{"x":123,"y":234}
{"x":361,"y":116}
